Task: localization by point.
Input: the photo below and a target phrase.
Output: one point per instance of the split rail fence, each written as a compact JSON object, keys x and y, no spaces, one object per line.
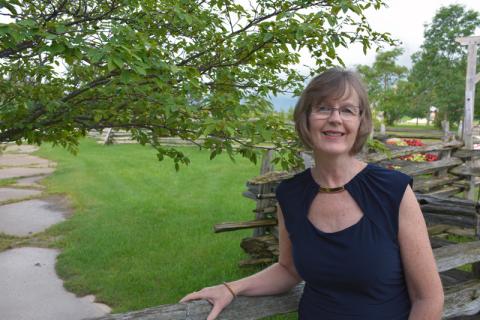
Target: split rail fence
{"x":437,"y":186}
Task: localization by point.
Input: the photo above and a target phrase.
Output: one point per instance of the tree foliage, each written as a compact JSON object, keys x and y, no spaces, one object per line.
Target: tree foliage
{"x":386,"y":84}
{"x":438,"y":72}
{"x":193,"y":69}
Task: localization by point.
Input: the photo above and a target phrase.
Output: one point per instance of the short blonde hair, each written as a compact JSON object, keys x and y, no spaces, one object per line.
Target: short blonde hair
{"x":332,"y":85}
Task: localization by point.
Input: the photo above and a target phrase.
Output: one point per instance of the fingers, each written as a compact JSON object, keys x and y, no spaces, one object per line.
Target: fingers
{"x":218,"y":302}
{"x":191,"y":296}
{"x":217,"y":308}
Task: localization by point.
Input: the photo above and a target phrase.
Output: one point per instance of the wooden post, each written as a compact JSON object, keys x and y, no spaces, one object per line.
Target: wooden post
{"x":471,"y":79}
{"x":382,"y":129}
{"x":108,"y":136}
{"x":267,"y":166}
{"x":460,"y":130}
{"x":446,"y":130}
{"x":447,"y":153}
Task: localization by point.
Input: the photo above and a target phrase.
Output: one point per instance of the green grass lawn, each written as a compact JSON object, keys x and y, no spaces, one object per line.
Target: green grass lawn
{"x":142,"y":234}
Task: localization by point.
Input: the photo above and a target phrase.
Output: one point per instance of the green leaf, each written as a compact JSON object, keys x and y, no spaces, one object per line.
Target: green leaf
{"x":331,"y":53}
{"x":57,"y":48}
{"x":27,"y":23}
{"x":139,"y":70}
{"x":50,"y":36}
{"x":209,"y":129}
{"x":4,"y":29}
{"x":95,"y":55}
{"x":267,"y":37}
{"x":111,"y":65}
{"x":60,"y":28}
{"x":174,"y":69}
{"x":118,"y":62}
{"x":69,"y":59}
{"x":354,"y":8}
{"x":16,"y":34}
{"x":332,"y":20}
{"x":266,"y":134}
{"x":125,"y":76}
{"x":188,"y":18}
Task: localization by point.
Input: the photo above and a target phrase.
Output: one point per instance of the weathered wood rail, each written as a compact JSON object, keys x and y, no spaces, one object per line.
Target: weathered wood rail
{"x":445,"y":177}
{"x":459,"y":299}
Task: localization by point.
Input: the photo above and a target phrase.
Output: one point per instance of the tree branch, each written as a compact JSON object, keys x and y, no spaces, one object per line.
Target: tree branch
{"x":20,"y":47}
{"x":97,"y":82}
{"x":249,"y":25}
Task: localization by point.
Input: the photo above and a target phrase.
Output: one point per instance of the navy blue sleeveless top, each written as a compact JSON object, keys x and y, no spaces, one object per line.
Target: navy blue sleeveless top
{"x":355,"y":273}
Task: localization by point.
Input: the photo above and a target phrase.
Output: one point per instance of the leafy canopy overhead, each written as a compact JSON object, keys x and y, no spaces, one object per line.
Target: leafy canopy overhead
{"x":193,"y":69}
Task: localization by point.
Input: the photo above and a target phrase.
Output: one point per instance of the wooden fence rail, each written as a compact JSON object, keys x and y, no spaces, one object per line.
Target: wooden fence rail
{"x":460,"y":299}
{"x":434,"y":184}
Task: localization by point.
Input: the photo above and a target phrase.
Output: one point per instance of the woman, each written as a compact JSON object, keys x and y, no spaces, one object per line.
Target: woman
{"x":352,"y":231}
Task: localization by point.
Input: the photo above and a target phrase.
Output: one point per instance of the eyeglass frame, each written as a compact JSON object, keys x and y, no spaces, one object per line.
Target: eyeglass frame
{"x":339,"y":109}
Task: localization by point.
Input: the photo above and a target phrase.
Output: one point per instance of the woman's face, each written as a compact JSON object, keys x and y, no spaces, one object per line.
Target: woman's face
{"x":334,"y":133}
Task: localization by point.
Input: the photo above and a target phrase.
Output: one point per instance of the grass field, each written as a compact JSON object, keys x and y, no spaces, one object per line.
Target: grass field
{"x":142,"y":233}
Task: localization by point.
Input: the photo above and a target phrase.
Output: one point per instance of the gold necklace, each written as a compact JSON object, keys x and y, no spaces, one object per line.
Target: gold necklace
{"x":330,"y":190}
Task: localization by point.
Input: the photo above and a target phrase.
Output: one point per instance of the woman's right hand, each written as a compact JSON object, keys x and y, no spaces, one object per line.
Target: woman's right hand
{"x":219,"y":296}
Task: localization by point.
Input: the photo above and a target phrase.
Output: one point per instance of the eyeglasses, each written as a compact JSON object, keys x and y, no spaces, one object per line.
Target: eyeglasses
{"x":346,"y":112}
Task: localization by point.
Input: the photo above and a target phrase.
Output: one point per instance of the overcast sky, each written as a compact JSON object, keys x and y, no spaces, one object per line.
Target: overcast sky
{"x":405,"y":20}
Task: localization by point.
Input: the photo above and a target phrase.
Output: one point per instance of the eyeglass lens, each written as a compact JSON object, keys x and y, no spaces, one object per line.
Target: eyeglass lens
{"x":346,"y":112}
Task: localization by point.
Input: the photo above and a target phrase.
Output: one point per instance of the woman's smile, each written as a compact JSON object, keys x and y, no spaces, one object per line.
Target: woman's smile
{"x":333,"y":133}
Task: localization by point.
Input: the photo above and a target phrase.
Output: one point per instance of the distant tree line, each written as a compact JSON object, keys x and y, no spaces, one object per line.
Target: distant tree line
{"x":437,"y":75}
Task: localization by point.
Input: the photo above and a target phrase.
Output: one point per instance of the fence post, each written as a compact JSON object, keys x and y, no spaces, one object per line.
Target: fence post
{"x":266,"y":167}
{"x":108,"y":136}
{"x":471,"y":79}
{"x":382,"y":129}
{"x":460,"y":130}
{"x":446,"y":130}
{"x":469,"y":105}
{"x":446,"y":154}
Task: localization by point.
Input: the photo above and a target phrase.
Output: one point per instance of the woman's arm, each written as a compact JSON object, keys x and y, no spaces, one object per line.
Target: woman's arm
{"x":279,"y":277}
{"x":423,"y":281}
